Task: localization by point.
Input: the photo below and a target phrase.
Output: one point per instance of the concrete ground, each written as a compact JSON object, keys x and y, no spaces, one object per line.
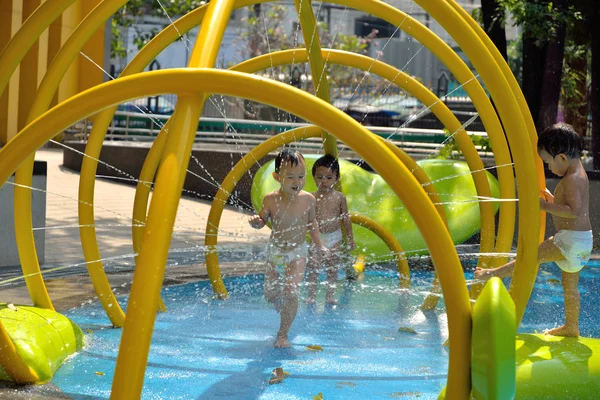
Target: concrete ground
{"x":70,"y":285}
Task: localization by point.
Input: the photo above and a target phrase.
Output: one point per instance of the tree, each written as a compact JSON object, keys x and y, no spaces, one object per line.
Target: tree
{"x":493,"y":18}
{"x":135,"y":10}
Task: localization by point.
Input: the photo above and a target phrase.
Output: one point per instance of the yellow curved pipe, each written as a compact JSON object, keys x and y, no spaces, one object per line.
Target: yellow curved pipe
{"x":245,"y":163}
{"x":308,"y":25}
{"x":293,"y":100}
{"x":390,"y":241}
{"x":522,"y":282}
{"x":425,"y":36}
{"x":137,"y":333}
{"x":12,"y":362}
{"x":439,"y":109}
{"x":522,"y":150}
{"x":10,"y":58}
{"x":23,"y":177}
{"x":27,"y":35}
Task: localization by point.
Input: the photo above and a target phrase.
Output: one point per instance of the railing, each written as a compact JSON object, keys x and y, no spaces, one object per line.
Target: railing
{"x":224,"y":134}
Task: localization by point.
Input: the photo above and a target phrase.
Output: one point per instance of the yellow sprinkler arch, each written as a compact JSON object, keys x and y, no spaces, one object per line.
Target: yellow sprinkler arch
{"x":438,"y":108}
{"x":146,"y":285}
{"x":247,"y":161}
{"x":390,"y":241}
{"x":411,"y":26}
{"x":23,"y":177}
{"x":522,"y":150}
{"x":405,"y":22}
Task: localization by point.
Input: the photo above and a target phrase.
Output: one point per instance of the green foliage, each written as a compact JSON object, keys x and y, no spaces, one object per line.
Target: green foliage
{"x":514,"y":52}
{"x":450,"y":149}
{"x":540,"y":18}
{"x":134,"y":10}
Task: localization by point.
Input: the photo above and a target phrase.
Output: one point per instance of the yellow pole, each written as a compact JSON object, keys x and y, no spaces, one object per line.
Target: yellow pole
{"x":23,"y":177}
{"x":290,"y":99}
{"x":312,"y":42}
{"x":147,"y":281}
{"x":390,"y":241}
{"x":27,"y":35}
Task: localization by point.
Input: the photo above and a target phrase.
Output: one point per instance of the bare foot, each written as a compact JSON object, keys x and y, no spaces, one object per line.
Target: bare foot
{"x":570,"y":331}
{"x":483,"y":274}
{"x":331,"y":301}
{"x":282,"y":343}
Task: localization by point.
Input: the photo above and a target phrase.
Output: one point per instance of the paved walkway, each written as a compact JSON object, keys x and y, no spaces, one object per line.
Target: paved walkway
{"x":239,"y":244}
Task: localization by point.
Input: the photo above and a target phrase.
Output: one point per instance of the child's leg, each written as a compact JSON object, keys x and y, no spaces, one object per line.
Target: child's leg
{"x":273,"y":287}
{"x":572,"y":304}
{"x":314,"y":264}
{"x":547,"y":252}
{"x":331,"y":265}
{"x":294,"y":274}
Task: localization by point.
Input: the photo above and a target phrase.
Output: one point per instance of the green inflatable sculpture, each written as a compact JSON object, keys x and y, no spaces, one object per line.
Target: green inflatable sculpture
{"x":368,"y":194}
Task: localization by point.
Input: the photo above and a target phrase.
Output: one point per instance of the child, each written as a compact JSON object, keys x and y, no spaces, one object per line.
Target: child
{"x":561,"y":147}
{"x":292,"y":212}
{"x":331,"y":210}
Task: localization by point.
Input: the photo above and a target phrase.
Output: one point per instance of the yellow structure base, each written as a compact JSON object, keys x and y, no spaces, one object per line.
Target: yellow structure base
{"x":552,"y":367}
{"x":43,"y":338}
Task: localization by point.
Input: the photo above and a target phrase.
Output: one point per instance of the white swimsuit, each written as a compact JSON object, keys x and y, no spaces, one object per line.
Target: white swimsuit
{"x":332,"y":238}
{"x":277,"y":256}
{"x":576,"y":247}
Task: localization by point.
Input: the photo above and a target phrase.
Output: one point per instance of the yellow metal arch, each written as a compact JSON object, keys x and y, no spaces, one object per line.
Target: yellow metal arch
{"x":438,"y":108}
{"x":146,"y":282}
{"x":421,"y":33}
{"x":23,"y":177}
{"x":522,"y":150}
{"x":271,"y":144}
{"x":390,"y":241}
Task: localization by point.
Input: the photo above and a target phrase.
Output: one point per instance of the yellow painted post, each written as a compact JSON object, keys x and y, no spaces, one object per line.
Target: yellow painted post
{"x":28,"y":79}
{"x":89,"y":74}
{"x":390,"y":241}
{"x":147,"y":281}
{"x":7,"y":10}
{"x":312,"y":42}
{"x":23,"y":177}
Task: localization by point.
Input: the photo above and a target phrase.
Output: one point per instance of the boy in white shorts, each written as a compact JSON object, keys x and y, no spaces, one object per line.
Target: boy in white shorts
{"x":331,"y":210}
{"x":561,"y":148}
{"x":291,"y":211}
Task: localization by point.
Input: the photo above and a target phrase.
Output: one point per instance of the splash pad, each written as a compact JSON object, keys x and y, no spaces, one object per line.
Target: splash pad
{"x":192,"y":85}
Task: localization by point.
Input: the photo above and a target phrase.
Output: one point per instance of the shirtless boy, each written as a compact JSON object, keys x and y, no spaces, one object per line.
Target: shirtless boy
{"x":291,"y":211}
{"x":332,"y":210}
{"x":561,"y":148}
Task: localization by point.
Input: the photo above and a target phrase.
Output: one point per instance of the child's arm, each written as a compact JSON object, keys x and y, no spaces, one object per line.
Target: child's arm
{"x":572,"y":206}
{"x":313,"y":227}
{"x":346,"y":223}
{"x":259,"y":220}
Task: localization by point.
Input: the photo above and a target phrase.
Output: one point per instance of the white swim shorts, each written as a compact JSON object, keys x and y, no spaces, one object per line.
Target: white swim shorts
{"x":279,"y":257}
{"x":576,"y":246}
{"x":331,"y":239}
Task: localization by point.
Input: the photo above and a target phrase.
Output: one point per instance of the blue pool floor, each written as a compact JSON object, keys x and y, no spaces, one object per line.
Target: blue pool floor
{"x":205,"y":348}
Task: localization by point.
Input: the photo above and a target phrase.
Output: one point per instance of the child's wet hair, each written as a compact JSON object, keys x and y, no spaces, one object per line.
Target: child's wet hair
{"x":561,"y":138}
{"x":327,"y":161}
{"x":286,"y":156}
